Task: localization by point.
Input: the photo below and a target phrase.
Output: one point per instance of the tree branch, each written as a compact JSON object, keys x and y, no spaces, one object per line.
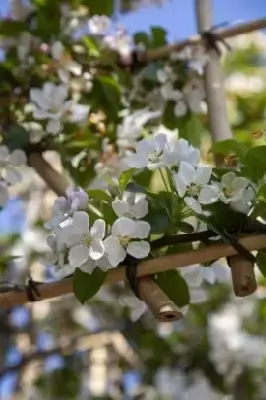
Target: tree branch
{"x":224,"y":33}
{"x":201,"y":255}
{"x":55,"y":181}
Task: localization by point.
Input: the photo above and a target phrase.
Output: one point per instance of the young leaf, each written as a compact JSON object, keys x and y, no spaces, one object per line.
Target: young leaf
{"x":87,"y":285}
{"x":261,"y":262}
{"x":174,"y":286}
{"x":108,"y":213}
{"x":99,"y":195}
{"x":125,"y":178}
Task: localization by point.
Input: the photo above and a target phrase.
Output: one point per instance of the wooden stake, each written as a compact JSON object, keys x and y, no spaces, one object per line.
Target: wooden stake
{"x":243,"y":276}
{"x":157,"y":301}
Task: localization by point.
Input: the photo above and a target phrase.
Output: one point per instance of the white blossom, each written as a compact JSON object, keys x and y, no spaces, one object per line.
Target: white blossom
{"x":50,"y":103}
{"x":149,"y":153}
{"x":132,"y":205}
{"x":136,"y":306}
{"x":236,"y":191}
{"x":64,"y":207}
{"x":84,"y":242}
{"x":66,"y":64}
{"x":120,"y":42}
{"x":99,"y":24}
{"x":9,"y":166}
{"x":179,"y":150}
{"x":120,"y":242}
{"x":90,"y":264}
{"x":193,"y":183}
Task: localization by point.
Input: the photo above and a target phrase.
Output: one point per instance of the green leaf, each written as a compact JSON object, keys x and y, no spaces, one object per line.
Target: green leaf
{"x":158,"y":36}
{"x":261,"y":194}
{"x":99,"y":195}
{"x":191,"y":128}
{"x":255,"y":163}
{"x":174,"y":286}
{"x":17,"y":137}
{"x":106,"y":91}
{"x":225,"y":147}
{"x":102,"y":7}
{"x":92,"y":46}
{"x":9,"y":27}
{"x":108,"y":213}
{"x":87,"y":285}
{"x":125,"y":178}
{"x":261,"y":262}
{"x":142,"y":37}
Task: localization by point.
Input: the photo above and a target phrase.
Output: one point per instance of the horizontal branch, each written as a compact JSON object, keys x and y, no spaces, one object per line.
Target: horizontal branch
{"x":224,"y":33}
{"x":201,"y":255}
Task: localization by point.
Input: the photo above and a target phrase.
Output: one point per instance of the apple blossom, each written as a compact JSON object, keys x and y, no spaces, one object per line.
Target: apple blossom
{"x":136,"y":306}
{"x":120,"y":242}
{"x":9,"y":163}
{"x":193,"y":183}
{"x":84,"y":242}
{"x":64,"y":207}
{"x":132,"y":205}
{"x":149,"y":153}
{"x":236,"y":191}
{"x":66,"y":64}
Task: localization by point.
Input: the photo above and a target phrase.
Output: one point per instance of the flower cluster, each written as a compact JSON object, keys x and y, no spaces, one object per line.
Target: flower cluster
{"x":193,"y":182}
{"x":9,"y":169}
{"x":88,"y":246}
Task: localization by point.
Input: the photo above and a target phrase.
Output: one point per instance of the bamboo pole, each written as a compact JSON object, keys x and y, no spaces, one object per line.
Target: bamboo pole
{"x":214,"y":252}
{"x":224,"y":33}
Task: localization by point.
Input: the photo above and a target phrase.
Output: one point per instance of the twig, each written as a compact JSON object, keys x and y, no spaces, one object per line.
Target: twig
{"x":224,"y":33}
{"x":201,"y":255}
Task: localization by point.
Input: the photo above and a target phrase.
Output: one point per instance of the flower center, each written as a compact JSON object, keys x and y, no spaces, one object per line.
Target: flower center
{"x":123,"y":240}
{"x":154,"y":156}
{"x":228,"y":192}
{"x":194,"y":190}
{"x":86,"y":239}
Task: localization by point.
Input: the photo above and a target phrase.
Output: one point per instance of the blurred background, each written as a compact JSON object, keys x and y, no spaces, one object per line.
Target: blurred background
{"x":61,"y":350}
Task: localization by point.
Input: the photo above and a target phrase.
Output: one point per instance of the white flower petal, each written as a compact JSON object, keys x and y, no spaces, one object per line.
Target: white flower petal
{"x":208,"y":274}
{"x":187,"y":172}
{"x":80,"y":222}
{"x":63,"y":75}
{"x":88,"y":266}
{"x":120,"y":207}
{"x":141,"y":230}
{"x":209,"y":194}
{"x":180,"y":108}
{"x":198,"y":295}
{"x":37,"y":96}
{"x":193,"y":275}
{"x":98,"y":229}
{"x":124,"y":227}
{"x":228,"y":179}
{"x":137,"y":312}
{"x":12,"y":176}
{"x":180,"y":185}
{"x":139,"y":249}
{"x":57,"y":50}
{"x":111,"y":243}
{"x":54,"y":126}
{"x":103,"y":263}
{"x":202,"y":174}
{"x":96,"y":249}
{"x":194,"y":204}
{"x":141,"y":208}
{"x":117,"y":256}
{"x":4,"y":153}
{"x":78,"y":255}
{"x":138,"y":160}
{"x":18,"y":158}
{"x":240,"y":183}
